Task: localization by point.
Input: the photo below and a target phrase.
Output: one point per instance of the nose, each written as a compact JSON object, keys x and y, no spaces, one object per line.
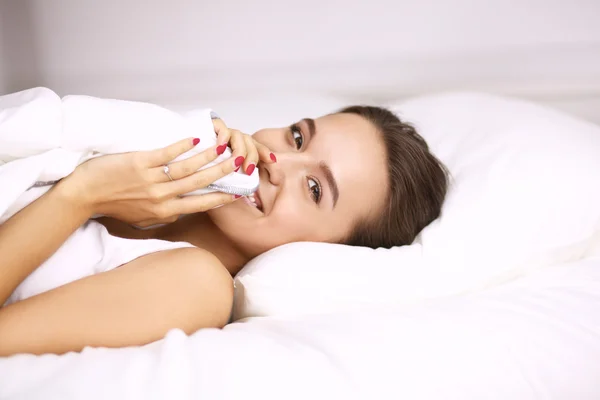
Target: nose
{"x":287,"y":165}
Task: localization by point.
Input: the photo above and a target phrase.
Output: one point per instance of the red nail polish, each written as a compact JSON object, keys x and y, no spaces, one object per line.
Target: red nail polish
{"x":236,"y":196}
{"x":250,"y":169}
{"x":273,"y":158}
{"x":239,"y":161}
{"x":237,"y":169}
{"x":221,"y":149}
{"x":195,"y":141}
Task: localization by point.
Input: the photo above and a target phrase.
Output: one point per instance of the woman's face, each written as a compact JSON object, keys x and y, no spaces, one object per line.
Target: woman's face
{"x":330,"y":173}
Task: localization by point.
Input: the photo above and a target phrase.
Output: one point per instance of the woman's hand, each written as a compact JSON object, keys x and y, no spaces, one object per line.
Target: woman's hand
{"x":134,"y":188}
{"x":243,"y":145}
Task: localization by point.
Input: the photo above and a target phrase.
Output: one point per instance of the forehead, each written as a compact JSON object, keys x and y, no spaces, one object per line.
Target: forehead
{"x":355,"y":152}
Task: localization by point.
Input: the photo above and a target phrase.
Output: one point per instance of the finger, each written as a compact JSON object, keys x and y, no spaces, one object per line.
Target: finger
{"x":239,"y":148}
{"x":223,"y":135}
{"x":200,"y":179}
{"x":251,"y":155}
{"x":264,"y":153}
{"x":181,"y":169}
{"x":162,"y":156}
{"x":205,"y":202}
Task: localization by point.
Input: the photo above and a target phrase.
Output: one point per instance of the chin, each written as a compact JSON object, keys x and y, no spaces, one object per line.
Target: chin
{"x":244,"y":226}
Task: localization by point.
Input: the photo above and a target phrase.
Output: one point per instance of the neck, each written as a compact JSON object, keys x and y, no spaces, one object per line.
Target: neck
{"x":199,"y":230}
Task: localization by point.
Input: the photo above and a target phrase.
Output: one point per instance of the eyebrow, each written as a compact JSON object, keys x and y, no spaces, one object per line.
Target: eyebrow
{"x":311,"y":126}
{"x":330,"y":181}
{"x":322,"y":165}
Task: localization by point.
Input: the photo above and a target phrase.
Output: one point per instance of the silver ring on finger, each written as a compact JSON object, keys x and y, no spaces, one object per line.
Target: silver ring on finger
{"x":166,"y":171}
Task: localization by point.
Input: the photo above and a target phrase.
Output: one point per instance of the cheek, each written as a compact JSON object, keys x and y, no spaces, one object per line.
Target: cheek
{"x":287,"y":222}
{"x":289,"y":219}
{"x":293,"y":223}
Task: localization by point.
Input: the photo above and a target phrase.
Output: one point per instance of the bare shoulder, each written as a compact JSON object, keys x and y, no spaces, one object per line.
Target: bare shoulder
{"x":190,"y":262}
{"x":191,"y":281}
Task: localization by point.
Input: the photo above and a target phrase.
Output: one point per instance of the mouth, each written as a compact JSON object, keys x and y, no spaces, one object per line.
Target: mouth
{"x":254,"y":201}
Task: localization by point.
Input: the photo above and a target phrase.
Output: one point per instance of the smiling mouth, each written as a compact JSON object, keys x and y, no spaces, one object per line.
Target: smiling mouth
{"x":253,"y":201}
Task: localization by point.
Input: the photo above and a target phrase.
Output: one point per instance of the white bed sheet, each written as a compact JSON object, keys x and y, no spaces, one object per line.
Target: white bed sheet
{"x":537,"y":337}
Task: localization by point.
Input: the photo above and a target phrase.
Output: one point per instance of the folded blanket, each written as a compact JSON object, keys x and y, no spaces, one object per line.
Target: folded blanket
{"x":43,"y":138}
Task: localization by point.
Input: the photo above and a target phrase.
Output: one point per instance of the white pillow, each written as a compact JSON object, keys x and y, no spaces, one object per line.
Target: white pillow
{"x":525,"y":194}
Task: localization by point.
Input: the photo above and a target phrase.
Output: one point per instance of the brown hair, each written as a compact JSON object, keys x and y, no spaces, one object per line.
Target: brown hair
{"x":418,"y":182}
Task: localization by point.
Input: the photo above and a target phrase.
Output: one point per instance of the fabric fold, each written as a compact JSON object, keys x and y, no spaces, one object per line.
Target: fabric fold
{"x":43,"y":138}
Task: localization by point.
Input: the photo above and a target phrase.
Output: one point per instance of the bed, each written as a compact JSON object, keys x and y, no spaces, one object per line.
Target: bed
{"x":474,"y":308}
{"x":538,"y":337}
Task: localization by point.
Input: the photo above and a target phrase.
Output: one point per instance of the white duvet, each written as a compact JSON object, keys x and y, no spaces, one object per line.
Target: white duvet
{"x":535,"y":338}
{"x":43,"y":138}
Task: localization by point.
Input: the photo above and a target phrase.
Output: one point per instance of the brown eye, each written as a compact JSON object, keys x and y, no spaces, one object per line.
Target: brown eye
{"x":297,"y":136}
{"x":315,"y":189}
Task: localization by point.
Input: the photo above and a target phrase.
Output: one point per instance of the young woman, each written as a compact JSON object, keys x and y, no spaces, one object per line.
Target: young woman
{"x":359,"y":176}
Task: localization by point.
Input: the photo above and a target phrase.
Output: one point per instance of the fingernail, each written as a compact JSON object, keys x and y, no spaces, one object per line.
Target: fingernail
{"x":195,"y":141}
{"x":221,"y":149}
{"x":236,"y":196}
{"x":250,"y":169}
{"x":237,"y":169}
{"x":273,"y":158}
{"x":239,"y":161}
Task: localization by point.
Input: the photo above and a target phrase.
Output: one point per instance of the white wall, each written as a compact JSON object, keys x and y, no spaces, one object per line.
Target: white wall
{"x":183,"y":50}
{"x":3,"y":88}
{"x":19,"y":62}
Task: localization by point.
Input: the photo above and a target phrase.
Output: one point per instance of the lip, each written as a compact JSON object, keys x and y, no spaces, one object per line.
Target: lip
{"x":250,"y":204}
{"x":258,"y":201}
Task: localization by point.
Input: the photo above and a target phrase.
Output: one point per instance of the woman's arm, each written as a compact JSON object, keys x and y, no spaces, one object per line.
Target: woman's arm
{"x":134,"y":304}
{"x":33,"y":234}
{"x":129,"y":186}
{"x":139,"y":301}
